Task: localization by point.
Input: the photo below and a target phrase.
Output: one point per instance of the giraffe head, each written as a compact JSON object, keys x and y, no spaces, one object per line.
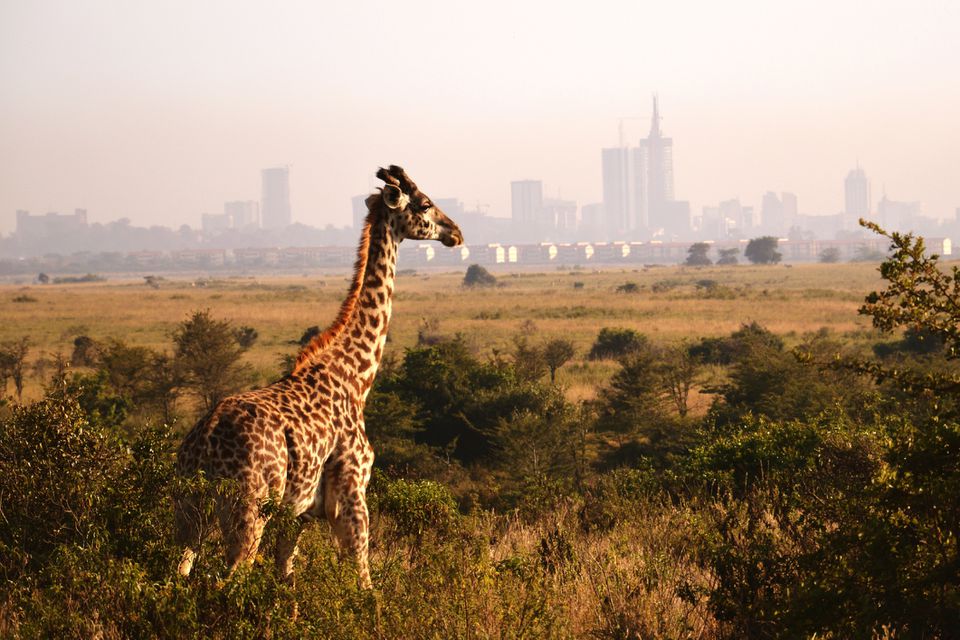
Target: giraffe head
{"x":412,"y":213}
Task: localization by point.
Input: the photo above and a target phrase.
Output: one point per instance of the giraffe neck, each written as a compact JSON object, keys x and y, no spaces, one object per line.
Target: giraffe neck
{"x":352,"y":346}
{"x":365,"y":333}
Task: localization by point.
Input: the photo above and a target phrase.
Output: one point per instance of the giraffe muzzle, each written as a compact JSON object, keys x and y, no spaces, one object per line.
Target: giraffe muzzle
{"x":452,"y":239}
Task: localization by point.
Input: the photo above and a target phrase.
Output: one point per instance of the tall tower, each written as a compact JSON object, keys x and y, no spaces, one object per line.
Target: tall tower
{"x":638,"y":188}
{"x":856,"y":190}
{"x":526,"y":204}
{"x":653,"y":167}
{"x":275,"y":198}
{"x":619,"y":203}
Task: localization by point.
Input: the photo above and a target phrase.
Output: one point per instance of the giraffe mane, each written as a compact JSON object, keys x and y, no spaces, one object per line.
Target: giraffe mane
{"x":320,"y":342}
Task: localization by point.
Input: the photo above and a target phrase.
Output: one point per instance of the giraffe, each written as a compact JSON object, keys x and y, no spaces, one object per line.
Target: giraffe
{"x":302,"y":438}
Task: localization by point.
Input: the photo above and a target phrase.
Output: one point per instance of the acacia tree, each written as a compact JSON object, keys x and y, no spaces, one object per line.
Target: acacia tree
{"x":830,"y":255}
{"x":763,"y":250}
{"x":556,"y":353}
{"x":529,"y":361}
{"x":678,"y":370}
{"x":615,"y":342}
{"x":918,"y":293}
{"x":728,"y":256}
{"x":13,"y":356}
{"x":478,"y":276}
{"x":697,"y":255}
{"x":207,"y":355}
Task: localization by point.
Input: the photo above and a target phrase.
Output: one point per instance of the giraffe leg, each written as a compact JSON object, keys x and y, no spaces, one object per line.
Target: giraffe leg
{"x":242,"y":528}
{"x":287,"y":551}
{"x":187,"y":528}
{"x":345,"y":503}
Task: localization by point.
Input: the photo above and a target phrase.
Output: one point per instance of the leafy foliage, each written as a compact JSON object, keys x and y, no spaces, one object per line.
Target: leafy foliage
{"x":614,"y":342}
{"x":829,"y":255}
{"x":728,"y":256}
{"x":697,"y":255}
{"x":763,"y":250}
{"x":556,"y":353}
{"x":207,"y":354}
{"x":478,"y":276}
{"x":918,"y":293}
{"x":13,"y":356}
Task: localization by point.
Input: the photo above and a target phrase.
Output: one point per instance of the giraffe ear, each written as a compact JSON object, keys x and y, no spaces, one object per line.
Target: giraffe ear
{"x":394,"y":198}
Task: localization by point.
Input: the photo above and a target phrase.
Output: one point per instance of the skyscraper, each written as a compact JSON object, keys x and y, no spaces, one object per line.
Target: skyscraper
{"x":619,"y":191}
{"x":275,"y":199}
{"x":653,"y":166}
{"x":638,"y":187}
{"x":243,"y":214}
{"x":856,"y":190}
{"x":790,"y":209}
{"x":526,"y":208}
{"x":772,"y":213}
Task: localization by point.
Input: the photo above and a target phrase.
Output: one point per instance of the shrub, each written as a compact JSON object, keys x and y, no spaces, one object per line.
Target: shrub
{"x":416,"y":507}
{"x":615,"y":342}
{"x":616,"y":497}
{"x":207,"y":355}
{"x":245,"y":336}
{"x":478,"y":276}
{"x":728,"y":256}
{"x":763,"y":250}
{"x":830,"y":255}
{"x":697,"y":255}
{"x":556,"y":353}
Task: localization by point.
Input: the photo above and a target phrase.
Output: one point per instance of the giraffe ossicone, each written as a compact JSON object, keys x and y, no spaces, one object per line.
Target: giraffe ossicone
{"x":302,"y":439}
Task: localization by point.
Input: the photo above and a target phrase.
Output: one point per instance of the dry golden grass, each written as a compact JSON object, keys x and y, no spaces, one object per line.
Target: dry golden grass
{"x":668,"y":307}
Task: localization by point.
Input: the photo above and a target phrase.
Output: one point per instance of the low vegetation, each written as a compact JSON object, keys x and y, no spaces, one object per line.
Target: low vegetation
{"x":815,"y":494}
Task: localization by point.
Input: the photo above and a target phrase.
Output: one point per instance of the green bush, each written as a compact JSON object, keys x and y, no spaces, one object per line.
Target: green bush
{"x":417,"y":507}
{"x":615,"y":342}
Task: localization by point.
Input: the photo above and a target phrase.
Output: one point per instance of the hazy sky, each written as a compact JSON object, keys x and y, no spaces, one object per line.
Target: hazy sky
{"x":160,"y":111}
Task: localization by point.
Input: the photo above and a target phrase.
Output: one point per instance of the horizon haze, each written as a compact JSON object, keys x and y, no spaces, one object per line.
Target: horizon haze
{"x":160,"y":112}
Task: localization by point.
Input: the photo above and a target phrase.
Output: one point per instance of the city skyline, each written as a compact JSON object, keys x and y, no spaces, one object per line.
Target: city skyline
{"x":100,"y":112}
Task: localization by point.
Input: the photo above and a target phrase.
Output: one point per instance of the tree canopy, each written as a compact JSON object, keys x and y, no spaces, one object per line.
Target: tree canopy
{"x":763,"y":250}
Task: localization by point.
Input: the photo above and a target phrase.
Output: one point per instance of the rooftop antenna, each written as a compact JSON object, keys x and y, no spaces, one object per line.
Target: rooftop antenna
{"x":655,"y":119}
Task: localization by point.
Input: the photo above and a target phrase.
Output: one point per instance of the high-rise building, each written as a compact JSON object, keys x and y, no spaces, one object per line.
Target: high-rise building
{"x":526,"y":208}
{"x":856,"y":189}
{"x":790,"y":209}
{"x":213,"y":223}
{"x":653,"y":166}
{"x":558,"y":218}
{"x":771,"y":213}
{"x":275,"y":199}
{"x":243,"y":214}
{"x":898,"y":216}
{"x":638,"y":194}
{"x":619,"y":187}
{"x":52,"y":224}
{"x":734,"y":216}
{"x":450,"y":206}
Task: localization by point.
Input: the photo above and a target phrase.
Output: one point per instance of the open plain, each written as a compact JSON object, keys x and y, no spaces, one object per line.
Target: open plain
{"x":667,"y":304}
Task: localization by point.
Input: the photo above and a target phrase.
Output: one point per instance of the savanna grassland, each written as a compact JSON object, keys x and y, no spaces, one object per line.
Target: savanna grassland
{"x":669,"y":306}
{"x":724,"y":452}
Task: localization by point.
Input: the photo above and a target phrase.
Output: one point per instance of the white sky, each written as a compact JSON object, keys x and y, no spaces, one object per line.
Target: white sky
{"x":160,"y":111}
